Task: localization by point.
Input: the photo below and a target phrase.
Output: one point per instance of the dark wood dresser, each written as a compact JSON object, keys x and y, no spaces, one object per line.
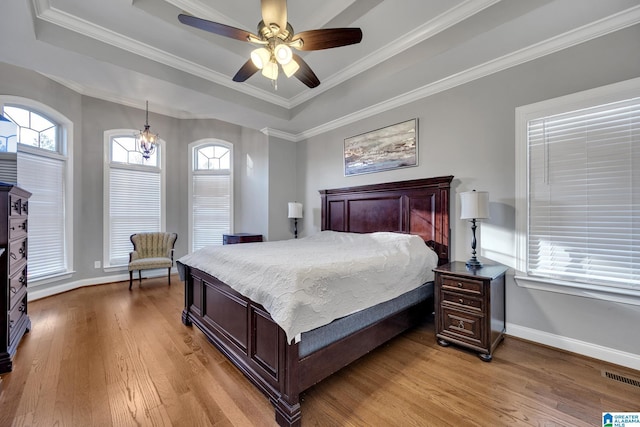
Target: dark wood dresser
{"x":14,"y":321}
{"x":232,"y":239}
{"x":470,"y":306}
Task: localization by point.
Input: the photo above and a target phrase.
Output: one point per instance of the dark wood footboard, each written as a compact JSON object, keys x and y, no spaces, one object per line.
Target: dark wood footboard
{"x":245,"y":333}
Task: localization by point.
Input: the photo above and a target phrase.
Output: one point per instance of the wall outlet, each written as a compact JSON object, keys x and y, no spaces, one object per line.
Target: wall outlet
{"x":96,"y":264}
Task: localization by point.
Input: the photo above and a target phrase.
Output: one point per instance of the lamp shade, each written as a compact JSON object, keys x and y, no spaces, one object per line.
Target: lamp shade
{"x":290,"y":68}
{"x":295,"y":210}
{"x":270,"y":70}
{"x":474,"y":205}
{"x":283,"y":54}
{"x":260,"y":57}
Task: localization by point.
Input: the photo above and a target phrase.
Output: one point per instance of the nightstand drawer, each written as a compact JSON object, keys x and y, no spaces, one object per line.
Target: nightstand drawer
{"x":462,"y":300}
{"x":463,"y":326}
{"x":462,"y":285}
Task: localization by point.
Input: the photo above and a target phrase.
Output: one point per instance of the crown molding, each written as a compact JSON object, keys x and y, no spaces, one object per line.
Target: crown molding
{"x":46,"y":12}
{"x":50,"y":14}
{"x":427,"y":30}
{"x":610,"y":24}
{"x":201,"y":10}
{"x":280,"y":134}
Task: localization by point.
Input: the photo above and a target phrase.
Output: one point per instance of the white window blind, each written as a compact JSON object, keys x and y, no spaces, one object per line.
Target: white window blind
{"x":134,"y":207}
{"x":584,"y":195}
{"x":211,"y":207}
{"x":44,"y":177}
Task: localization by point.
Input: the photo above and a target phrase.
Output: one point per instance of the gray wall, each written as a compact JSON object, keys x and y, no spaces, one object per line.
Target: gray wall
{"x":469,"y":132}
{"x":283,"y":187}
{"x":91,"y":117}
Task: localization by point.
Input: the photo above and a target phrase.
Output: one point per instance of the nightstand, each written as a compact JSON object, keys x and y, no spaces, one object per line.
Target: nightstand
{"x":232,"y":239}
{"x":470,"y":306}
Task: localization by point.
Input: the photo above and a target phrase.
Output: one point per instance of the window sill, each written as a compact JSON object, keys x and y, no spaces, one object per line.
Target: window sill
{"x":116,"y":268}
{"x":623,"y":296}
{"x":50,"y":279}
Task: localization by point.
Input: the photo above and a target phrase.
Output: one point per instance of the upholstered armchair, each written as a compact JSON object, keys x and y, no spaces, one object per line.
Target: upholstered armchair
{"x":150,"y":251}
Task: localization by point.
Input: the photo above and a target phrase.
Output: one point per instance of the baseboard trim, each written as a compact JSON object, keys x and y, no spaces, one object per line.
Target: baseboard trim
{"x":48,"y":291}
{"x":584,"y":348}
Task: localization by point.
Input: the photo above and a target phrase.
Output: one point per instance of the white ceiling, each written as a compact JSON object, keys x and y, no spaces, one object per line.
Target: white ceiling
{"x":129,"y":51}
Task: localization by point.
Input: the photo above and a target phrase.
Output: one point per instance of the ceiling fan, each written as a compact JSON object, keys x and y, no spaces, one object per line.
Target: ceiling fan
{"x":275,"y":39}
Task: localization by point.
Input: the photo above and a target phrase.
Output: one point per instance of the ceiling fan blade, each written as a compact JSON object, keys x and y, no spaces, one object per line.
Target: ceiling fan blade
{"x":215,"y":27}
{"x":305,"y":74}
{"x":274,"y":12}
{"x":327,"y":38}
{"x":246,"y":71}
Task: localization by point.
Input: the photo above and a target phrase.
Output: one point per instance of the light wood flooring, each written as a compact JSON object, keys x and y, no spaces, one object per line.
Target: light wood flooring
{"x":104,"y":356}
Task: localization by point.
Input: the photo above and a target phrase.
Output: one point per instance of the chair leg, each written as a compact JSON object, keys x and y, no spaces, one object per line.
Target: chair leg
{"x":169,"y":275}
{"x":140,"y":277}
{"x":130,"y":278}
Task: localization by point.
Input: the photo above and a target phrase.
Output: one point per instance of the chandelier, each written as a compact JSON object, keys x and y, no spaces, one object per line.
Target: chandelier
{"x":146,"y":141}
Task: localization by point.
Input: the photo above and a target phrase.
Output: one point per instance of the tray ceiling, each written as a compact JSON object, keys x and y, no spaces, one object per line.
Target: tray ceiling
{"x":129,"y":51}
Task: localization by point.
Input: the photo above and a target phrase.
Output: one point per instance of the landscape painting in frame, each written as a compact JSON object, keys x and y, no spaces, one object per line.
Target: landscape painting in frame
{"x":392,"y":147}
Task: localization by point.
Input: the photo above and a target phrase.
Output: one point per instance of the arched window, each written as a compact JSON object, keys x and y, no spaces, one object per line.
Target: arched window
{"x":210,"y":192}
{"x":133,"y":196}
{"x":44,"y":169}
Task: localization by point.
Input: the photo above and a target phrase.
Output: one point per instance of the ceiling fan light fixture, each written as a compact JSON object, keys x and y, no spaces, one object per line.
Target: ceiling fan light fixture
{"x":260,"y":57}
{"x":290,"y":68}
{"x":283,"y":53}
{"x":270,"y":70}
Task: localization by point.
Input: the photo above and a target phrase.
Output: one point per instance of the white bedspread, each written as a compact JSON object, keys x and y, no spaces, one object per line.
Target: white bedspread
{"x":309,"y":282}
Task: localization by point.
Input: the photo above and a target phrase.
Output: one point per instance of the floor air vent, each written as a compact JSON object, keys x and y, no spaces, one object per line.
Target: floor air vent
{"x":622,"y":378}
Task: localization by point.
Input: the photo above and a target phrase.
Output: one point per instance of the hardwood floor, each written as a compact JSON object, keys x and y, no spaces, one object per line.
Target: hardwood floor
{"x":104,"y":356}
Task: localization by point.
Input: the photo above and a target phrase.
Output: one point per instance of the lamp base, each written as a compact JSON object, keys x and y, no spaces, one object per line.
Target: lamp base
{"x":473,"y":263}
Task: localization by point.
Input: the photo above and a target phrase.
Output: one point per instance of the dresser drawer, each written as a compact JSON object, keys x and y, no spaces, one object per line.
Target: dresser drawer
{"x":17,"y":286}
{"x":463,"y":326}
{"x":462,"y":300}
{"x":17,"y":227}
{"x":18,"y":205}
{"x":460,"y":284}
{"x":15,"y":316}
{"x":17,"y":255}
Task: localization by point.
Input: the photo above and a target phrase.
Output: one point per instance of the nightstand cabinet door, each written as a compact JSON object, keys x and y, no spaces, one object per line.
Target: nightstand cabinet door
{"x":14,"y":320}
{"x":470,"y":306}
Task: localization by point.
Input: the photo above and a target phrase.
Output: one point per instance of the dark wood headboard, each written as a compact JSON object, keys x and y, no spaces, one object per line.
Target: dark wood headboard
{"x":419,"y":206}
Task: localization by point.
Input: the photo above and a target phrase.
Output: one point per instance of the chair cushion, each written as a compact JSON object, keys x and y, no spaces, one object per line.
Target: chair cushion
{"x":148,"y":263}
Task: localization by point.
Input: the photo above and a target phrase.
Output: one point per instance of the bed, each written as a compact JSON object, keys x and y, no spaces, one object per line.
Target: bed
{"x":281,"y":368}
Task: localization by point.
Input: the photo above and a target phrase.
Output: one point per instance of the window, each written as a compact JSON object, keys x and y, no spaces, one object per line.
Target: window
{"x":44,"y":169}
{"x":34,"y":129}
{"x":210,"y":192}
{"x":134,"y":201}
{"x":580,"y":190}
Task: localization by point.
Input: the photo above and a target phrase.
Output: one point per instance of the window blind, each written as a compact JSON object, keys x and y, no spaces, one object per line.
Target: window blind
{"x":44,"y":177}
{"x":211,"y":208}
{"x":134,"y":207}
{"x":584,"y":195}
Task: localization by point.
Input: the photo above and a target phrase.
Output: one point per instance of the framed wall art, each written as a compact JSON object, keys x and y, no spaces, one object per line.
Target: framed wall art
{"x":391,"y":147}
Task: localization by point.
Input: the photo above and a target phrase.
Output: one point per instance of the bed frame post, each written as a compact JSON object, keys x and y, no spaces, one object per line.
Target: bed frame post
{"x":288,"y":404}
